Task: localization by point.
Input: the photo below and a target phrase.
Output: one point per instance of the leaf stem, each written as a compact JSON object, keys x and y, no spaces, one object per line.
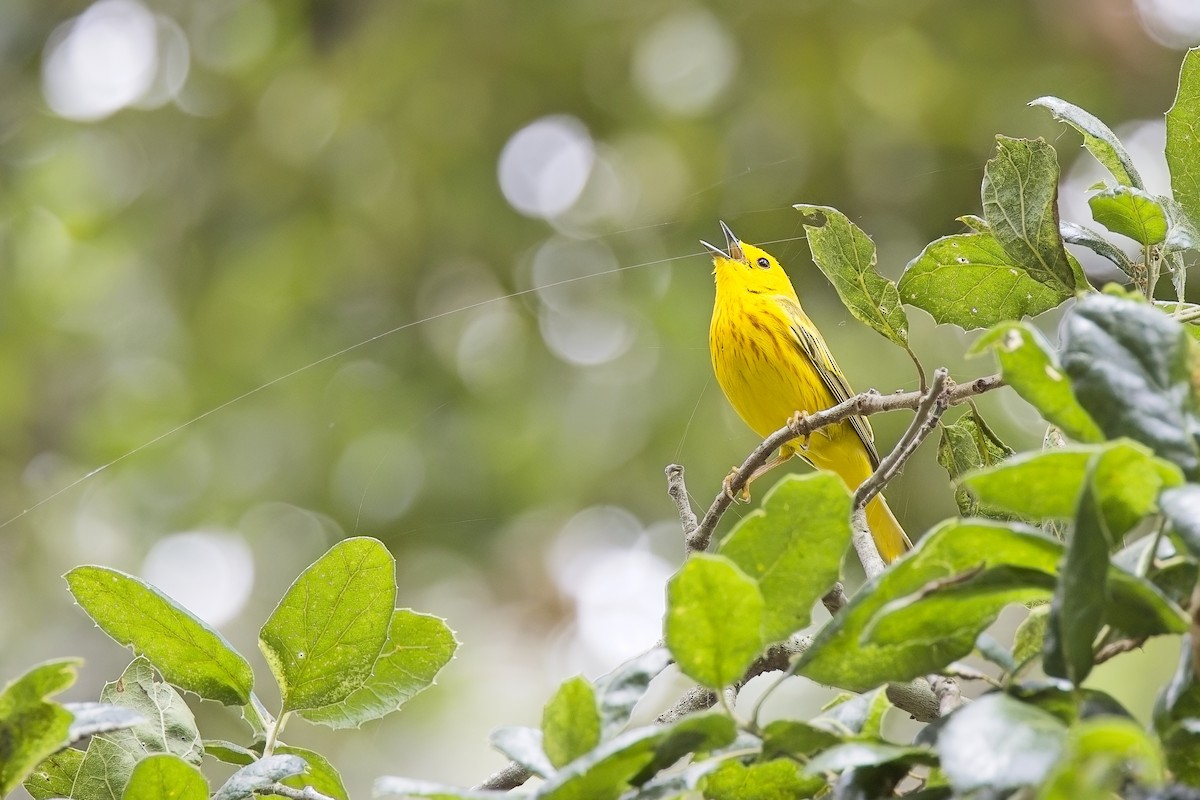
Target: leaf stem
{"x":273,"y":732}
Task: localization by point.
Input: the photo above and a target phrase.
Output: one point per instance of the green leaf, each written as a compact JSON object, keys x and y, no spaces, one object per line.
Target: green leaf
{"x":852,"y":755}
{"x":524,"y":746}
{"x":319,"y":773}
{"x":389,"y":786}
{"x":55,"y":777}
{"x":975,"y":223}
{"x":229,"y":753}
{"x":165,"y":777}
{"x":1100,"y":141}
{"x":854,"y":716}
{"x":570,"y":722}
{"x":713,"y":622}
{"x":1077,"y":609}
{"x":1069,"y":703}
{"x":957,"y":605}
{"x":1181,"y":506}
{"x":1183,"y":138}
{"x":1030,"y":637}
{"x":1131,"y":212}
{"x":417,"y":647}
{"x":1101,"y":755}
{"x":1047,"y":484}
{"x":92,"y":718}
{"x":1182,"y":234}
{"x":886,"y":635}
{"x":966,"y":445}
{"x":796,"y":739}
{"x":969,"y":280}
{"x":620,"y":690}
{"x":847,"y":257}
{"x":167,"y":727}
{"x":1020,"y":204}
{"x":260,"y":775}
{"x":32,"y":728}
{"x":840,"y":657}
{"x":185,"y":650}
{"x":1030,"y":366}
{"x":793,"y":546}
{"x":633,"y":757}
{"x":322,"y":640}
{"x":1085,"y":237}
{"x":1129,"y":366}
{"x":997,"y":744}
{"x":1181,"y":746}
{"x":988,"y":647}
{"x":769,"y":780}
{"x":1180,"y":698}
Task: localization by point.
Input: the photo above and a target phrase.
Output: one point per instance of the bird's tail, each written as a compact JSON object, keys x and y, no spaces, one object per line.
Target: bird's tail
{"x":886,"y":531}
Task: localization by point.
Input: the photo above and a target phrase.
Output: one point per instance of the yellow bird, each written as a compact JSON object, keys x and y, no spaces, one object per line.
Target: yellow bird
{"x":772,"y":363}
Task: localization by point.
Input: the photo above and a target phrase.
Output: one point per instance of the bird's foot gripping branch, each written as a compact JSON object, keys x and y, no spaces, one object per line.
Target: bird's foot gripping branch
{"x":1097,"y":535}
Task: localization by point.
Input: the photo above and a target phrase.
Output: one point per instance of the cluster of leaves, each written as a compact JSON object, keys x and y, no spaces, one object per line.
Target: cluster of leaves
{"x":1098,"y":535}
{"x":341,"y":653}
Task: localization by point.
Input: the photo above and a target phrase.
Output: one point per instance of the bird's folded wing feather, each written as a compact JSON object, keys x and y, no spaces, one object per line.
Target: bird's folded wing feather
{"x":815,"y":350}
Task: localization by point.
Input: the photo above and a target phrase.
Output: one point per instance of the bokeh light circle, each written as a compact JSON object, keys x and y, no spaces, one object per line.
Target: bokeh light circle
{"x":545,"y":165}
{"x":101,"y":61}
{"x":208,"y":572}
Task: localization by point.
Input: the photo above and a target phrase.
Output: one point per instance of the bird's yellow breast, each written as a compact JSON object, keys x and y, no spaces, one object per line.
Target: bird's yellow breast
{"x":763,"y":373}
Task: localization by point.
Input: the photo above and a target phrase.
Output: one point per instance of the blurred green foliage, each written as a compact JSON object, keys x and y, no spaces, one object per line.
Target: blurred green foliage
{"x":327,"y":173}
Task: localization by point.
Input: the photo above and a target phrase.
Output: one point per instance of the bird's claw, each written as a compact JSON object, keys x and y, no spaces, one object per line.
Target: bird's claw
{"x":794,"y":422}
{"x":727,"y":486}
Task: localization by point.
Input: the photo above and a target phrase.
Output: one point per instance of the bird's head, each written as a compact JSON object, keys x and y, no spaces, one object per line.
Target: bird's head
{"x":744,"y":267}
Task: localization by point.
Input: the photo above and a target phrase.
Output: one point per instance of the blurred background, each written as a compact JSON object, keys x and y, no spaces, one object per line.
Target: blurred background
{"x":428,"y":271}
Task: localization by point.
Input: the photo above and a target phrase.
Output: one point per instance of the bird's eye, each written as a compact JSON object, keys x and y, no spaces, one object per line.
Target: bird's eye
{"x":762,"y":262}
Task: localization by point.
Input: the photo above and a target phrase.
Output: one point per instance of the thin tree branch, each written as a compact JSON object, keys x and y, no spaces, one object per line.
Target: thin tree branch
{"x":864,"y":404}
{"x":835,"y":599}
{"x":929,"y":410}
{"x":677,"y":490}
{"x":510,"y":777}
{"x":307,"y":793}
{"x":1119,"y":646}
{"x":864,"y":543}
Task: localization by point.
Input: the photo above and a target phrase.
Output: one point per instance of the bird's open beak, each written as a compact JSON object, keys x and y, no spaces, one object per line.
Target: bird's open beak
{"x":734,"y":251}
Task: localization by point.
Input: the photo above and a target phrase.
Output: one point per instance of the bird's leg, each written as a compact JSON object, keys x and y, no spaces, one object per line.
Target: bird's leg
{"x":744,"y":495}
{"x":794,"y":422}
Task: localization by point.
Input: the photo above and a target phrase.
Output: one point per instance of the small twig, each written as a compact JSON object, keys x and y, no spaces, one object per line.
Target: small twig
{"x":307,"y":793}
{"x":864,"y":543}
{"x":929,"y":410}
{"x":835,"y":599}
{"x":677,"y":490}
{"x":1119,"y":646}
{"x":864,"y":404}
{"x":510,"y":777}
{"x":920,"y":369}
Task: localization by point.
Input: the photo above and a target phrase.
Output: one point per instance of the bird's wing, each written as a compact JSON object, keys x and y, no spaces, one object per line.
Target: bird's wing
{"x":815,"y":349}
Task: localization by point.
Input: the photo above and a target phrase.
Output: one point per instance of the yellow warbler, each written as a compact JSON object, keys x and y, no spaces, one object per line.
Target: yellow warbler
{"x":772,"y":363}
